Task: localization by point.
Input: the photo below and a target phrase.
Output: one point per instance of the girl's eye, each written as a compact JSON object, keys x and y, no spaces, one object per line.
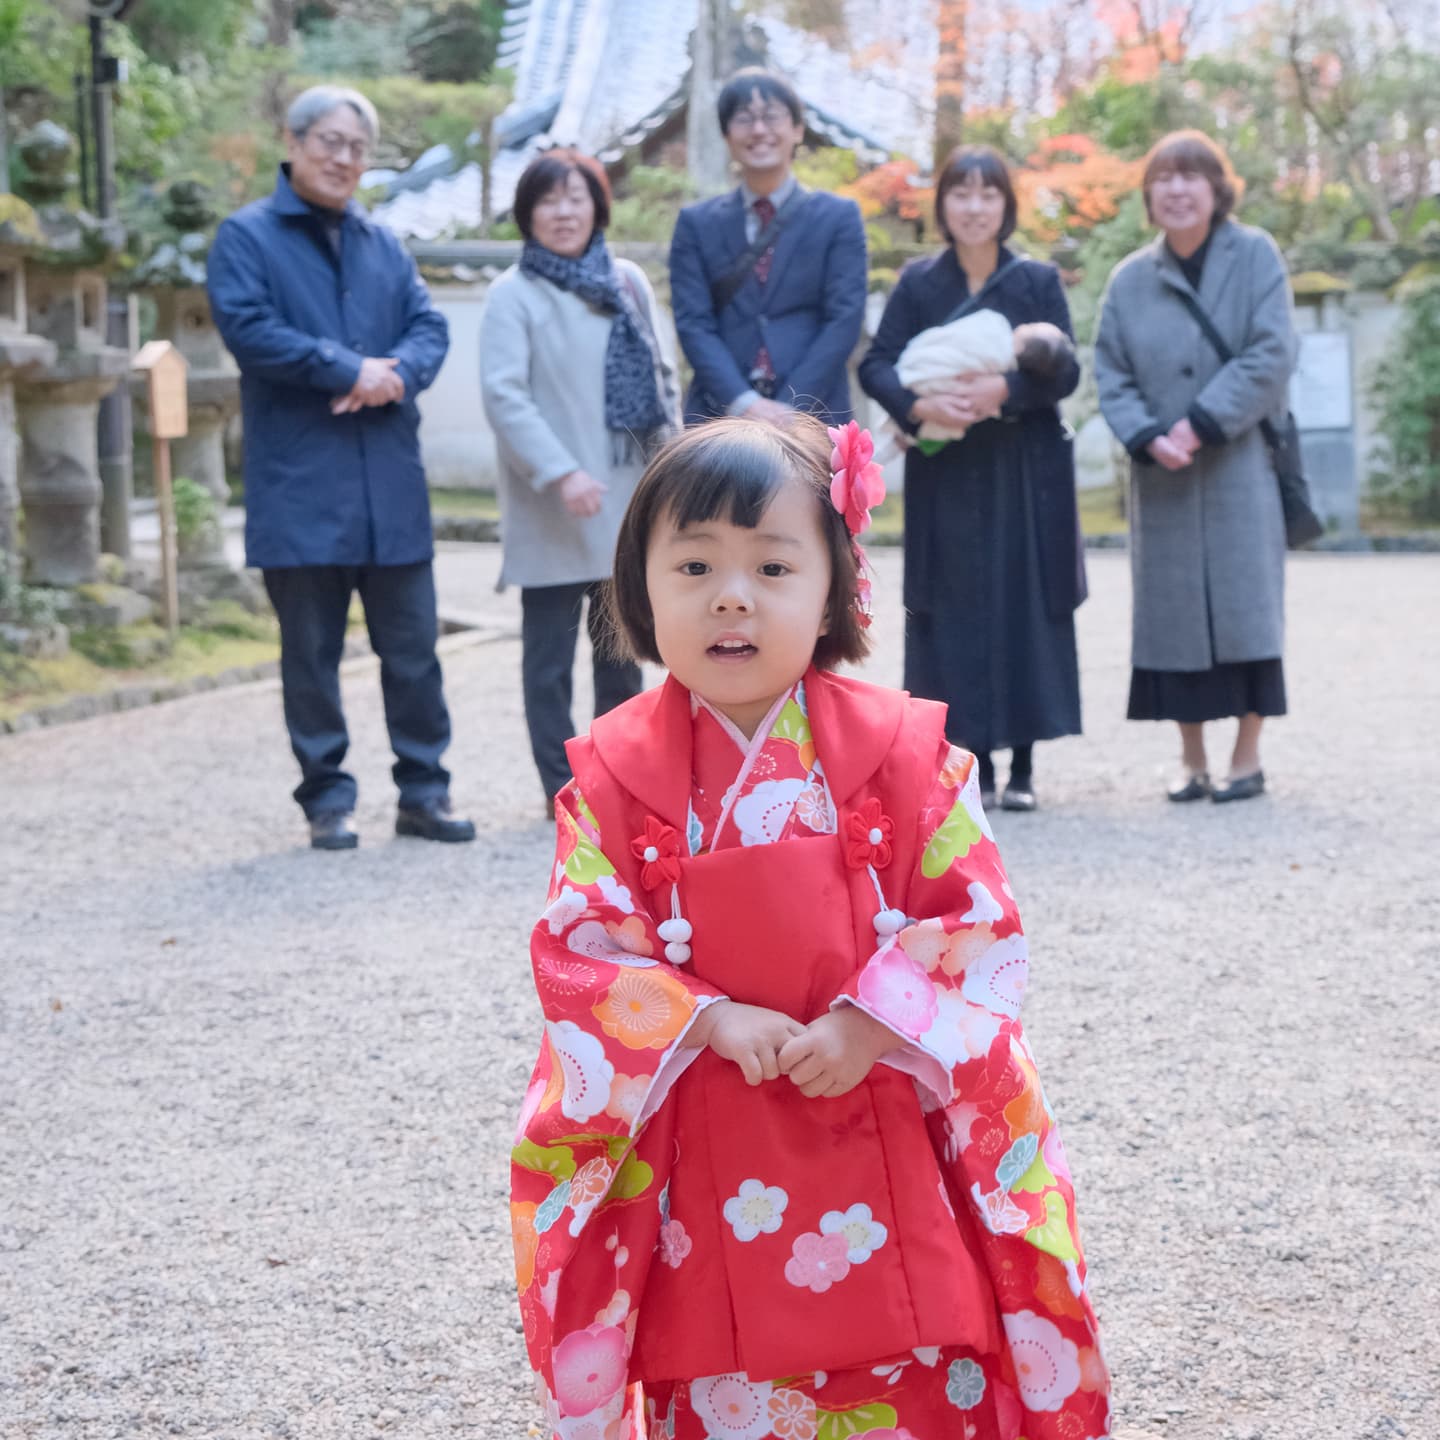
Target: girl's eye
{"x":772,"y":569}
{"x":694,"y":567}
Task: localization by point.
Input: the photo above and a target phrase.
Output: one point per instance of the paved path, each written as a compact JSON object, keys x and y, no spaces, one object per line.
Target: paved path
{"x":255,"y":1101}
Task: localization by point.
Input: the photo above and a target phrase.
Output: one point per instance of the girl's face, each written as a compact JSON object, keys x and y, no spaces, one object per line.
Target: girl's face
{"x":737,"y":612}
{"x":974,"y":211}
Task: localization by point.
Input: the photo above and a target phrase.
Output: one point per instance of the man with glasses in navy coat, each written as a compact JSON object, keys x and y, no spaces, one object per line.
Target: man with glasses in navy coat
{"x":335,"y":335}
{"x":768,"y":282}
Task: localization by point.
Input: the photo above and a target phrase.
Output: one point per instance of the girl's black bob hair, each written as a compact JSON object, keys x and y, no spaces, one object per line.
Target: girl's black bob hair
{"x":730,"y":469}
{"x":987,"y":162}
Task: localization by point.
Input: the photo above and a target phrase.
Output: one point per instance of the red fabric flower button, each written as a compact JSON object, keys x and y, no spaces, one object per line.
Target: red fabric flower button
{"x":869,"y":833}
{"x":658,"y":850}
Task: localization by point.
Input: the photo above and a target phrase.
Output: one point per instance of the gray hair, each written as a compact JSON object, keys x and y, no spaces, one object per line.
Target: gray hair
{"x":319,"y":100}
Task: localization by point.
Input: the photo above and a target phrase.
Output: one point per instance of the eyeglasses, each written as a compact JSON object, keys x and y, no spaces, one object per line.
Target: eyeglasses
{"x":334,"y":145}
{"x":772,"y":118}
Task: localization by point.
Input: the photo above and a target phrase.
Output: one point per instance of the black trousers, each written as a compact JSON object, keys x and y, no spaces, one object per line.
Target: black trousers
{"x":313,"y":603}
{"x":549,"y":629}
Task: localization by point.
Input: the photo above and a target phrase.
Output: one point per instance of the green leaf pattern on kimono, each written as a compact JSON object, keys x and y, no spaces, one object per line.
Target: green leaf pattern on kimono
{"x":556,"y":1160}
{"x":842,"y":1424}
{"x":951,"y":842}
{"x":1054,"y":1237}
{"x":586,"y":863}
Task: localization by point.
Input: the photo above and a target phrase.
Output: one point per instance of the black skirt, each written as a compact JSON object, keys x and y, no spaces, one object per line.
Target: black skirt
{"x":1243,"y":687}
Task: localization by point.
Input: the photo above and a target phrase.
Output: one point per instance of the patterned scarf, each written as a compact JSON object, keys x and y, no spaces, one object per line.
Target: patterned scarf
{"x":632,"y":398}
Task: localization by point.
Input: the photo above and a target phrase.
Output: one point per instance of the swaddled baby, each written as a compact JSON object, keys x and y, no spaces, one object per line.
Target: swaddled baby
{"x":983,"y":343}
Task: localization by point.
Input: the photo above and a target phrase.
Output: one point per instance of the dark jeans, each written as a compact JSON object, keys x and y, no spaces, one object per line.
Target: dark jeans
{"x":549,"y":628}
{"x":312,"y":603}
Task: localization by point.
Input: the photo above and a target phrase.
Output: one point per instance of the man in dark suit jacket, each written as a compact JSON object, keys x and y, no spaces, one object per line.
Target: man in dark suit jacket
{"x":782,"y":337}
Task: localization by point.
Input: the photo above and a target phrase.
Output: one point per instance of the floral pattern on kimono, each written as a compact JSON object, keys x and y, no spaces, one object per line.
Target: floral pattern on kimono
{"x":589,"y":1194}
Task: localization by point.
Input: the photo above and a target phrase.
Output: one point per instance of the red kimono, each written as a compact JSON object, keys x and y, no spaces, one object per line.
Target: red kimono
{"x":745,"y":1262}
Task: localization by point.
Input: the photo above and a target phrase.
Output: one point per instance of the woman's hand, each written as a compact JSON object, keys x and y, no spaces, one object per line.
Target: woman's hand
{"x":749,"y":1036}
{"x":833,"y":1054}
{"x":1182,"y":436}
{"x":982,"y":395}
{"x":581,"y":493}
{"x":1164,"y":451}
{"x":942,"y":409}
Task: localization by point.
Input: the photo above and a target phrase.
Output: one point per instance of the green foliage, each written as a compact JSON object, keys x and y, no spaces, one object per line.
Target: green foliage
{"x":1406,"y":393}
{"x":23,"y":604}
{"x":652,"y":196}
{"x":173,"y":31}
{"x":119,"y":647}
{"x":828,"y":168}
{"x":197,"y":519}
{"x":457,"y":42}
{"x":1100,"y":251}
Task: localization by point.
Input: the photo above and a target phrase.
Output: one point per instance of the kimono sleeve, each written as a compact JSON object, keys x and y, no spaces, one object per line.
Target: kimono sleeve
{"x":950,"y":982}
{"x":615,"y":1013}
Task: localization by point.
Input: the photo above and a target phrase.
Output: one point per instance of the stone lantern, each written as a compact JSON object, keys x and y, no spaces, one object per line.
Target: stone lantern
{"x":174,"y":275}
{"x":58,"y":402}
{"x":19,"y":351}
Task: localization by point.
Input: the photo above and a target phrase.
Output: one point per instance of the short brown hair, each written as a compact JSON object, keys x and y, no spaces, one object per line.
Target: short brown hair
{"x":553,"y":168}
{"x":989,"y":164}
{"x":1192,"y":152}
{"x":732,"y":468}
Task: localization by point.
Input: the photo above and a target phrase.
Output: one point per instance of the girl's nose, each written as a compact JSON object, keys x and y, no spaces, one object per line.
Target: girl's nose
{"x":732,"y":596}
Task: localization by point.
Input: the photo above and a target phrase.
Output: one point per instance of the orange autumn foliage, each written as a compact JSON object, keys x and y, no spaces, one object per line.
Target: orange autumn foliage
{"x":1071,"y":184}
{"x":886,"y":190}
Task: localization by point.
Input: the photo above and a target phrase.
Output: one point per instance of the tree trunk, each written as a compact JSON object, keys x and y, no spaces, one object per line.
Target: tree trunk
{"x":280,"y":23}
{"x":949,"y":77}
{"x":4,"y":147}
{"x":711,"y":49}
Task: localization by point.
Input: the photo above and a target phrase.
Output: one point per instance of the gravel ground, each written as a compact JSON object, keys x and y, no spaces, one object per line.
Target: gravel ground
{"x":255,"y":1101}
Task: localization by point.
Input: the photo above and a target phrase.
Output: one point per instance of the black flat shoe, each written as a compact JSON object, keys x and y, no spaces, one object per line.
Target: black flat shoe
{"x":1193,"y":787}
{"x":1247,"y":787}
{"x":1019,"y":795}
{"x":433,"y":821}
{"x":333,"y":831}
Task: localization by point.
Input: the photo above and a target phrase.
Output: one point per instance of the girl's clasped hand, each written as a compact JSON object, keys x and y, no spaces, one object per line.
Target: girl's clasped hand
{"x":827,"y":1058}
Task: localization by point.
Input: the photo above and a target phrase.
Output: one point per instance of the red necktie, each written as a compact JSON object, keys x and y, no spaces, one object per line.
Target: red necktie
{"x":764,"y":209}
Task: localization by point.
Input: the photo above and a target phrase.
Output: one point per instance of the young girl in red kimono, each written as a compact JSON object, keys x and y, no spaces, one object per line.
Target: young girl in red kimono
{"x":785,"y":1170}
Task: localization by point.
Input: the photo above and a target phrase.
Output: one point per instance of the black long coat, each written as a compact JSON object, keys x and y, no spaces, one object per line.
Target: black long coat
{"x":994,"y":567}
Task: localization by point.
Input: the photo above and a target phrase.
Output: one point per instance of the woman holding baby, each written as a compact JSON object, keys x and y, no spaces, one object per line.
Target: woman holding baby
{"x":993,"y":563}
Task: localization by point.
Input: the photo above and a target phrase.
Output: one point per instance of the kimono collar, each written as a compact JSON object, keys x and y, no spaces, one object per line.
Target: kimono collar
{"x":648,"y":744}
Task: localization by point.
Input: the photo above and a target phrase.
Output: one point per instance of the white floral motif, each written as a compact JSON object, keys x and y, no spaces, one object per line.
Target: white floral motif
{"x":587,"y":1073}
{"x":983,"y":905}
{"x":761,"y":815}
{"x":617,"y":894}
{"x":732,"y":1407}
{"x":961,"y":1031}
{"x":758,"y":1209}
{"x":1002,"y":1216}
{"x":863,"y":1233}
{"x":1047,"y":1365}
{"x":565,"y":909}
{"x":593,"y":939}
{"x":997,"y":978}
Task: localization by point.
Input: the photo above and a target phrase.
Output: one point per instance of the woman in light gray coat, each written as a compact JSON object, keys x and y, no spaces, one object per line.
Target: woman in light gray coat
{"x":579,"y":387}
{"x":1207,"y":534}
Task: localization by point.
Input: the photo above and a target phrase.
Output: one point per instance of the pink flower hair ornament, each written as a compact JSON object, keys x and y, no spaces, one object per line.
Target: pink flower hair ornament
{"x":857,"y":484}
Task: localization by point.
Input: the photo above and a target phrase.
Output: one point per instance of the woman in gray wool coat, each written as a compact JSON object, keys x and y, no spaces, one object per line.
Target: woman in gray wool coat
{"x":1207,"y":534}
{"x":578,"y":380}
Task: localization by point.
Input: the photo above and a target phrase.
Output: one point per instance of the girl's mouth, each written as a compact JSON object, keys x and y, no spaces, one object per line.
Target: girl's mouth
{"x":731,"y":650}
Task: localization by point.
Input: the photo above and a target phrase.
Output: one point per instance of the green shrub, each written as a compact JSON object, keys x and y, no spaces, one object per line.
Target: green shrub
{"x":1406,"y":393}
{"x":197,"y":519}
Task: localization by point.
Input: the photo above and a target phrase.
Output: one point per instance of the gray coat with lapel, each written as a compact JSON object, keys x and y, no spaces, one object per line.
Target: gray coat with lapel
{"x":1207,"y":543}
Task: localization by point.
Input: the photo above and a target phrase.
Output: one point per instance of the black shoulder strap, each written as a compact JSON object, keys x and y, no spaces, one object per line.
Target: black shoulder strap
{"x":973,"y":302}
{"x":1207,"y":325}
{"x":727,"y":287}
{"x":1226,"y":354}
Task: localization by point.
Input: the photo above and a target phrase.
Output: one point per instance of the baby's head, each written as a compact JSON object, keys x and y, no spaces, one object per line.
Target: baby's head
{"x":1041,"y":349}
{"x":733,"y":568}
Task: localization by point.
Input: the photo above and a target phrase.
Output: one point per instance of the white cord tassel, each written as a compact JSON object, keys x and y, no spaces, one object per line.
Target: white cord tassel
{"x":676,"y":931}
{"x":888,"y":922}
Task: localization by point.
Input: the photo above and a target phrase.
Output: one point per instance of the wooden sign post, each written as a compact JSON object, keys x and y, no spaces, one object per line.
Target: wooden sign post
{"x":165,"y":371}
